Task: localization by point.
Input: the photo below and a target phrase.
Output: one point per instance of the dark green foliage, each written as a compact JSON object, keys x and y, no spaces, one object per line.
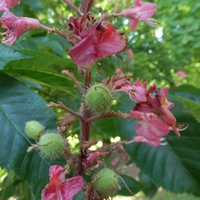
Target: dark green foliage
{"x":34,"y":64}
{"x":18,"y":105}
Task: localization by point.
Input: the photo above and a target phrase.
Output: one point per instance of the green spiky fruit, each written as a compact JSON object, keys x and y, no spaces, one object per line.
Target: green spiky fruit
{"x":52,"y":145}
{"x":106,"y":182}
{"x":33,"y":129}
{"x":99,"y":98}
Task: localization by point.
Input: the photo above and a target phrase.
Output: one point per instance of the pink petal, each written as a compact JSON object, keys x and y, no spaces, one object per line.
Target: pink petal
{"x":138,"y":3}
{"x":8,"y":3}
{"x":92,"y":159}
{"x":166,"y":116}
{"x":133,"y":24}
{"x":84,"y":52}
{"x":100,"y":42}
{"x":146,"y":10}
{"x":148,"y":142}
{"x":59,"y":187}
{"x":182,"y":73}
{"x":137,"y":91}
{"x":12,"y":3}
{"x":56,"y":170}
{"x":163,"y":98}
{"x":139,"y":11}
{"x":118,"y":70}
{"x":111,"y":41}
{"x":3,"y":5}
{"x":149,"y":126}
{"x":129,"y":53}
{"x":17,"y":26}
{"x":72,"y":186}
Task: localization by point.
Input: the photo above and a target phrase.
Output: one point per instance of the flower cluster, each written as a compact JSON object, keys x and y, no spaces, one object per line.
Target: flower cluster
{"x":91,"y":39}
{"x":95,"y":40}
{"x":152,"y":110}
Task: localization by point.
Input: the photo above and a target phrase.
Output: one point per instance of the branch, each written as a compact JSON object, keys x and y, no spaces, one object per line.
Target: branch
{"x":77,"y":10}
{"x":107,"y":115}
{"x":63,"y":107}
{"x":71,"y":75}
{"x":61,"y":33}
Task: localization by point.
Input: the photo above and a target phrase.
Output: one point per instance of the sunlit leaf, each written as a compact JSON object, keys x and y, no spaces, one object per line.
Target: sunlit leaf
{"x":44,"y":69}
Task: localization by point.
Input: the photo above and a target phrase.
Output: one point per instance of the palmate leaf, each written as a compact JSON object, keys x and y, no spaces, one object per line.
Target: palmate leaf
{"x":44,"y":69}
{"x":18,"y":105}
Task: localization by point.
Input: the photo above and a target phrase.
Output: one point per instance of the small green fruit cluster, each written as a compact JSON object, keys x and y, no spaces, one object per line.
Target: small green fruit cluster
{"x":99,"y":98}
{"x":106,"y":182}
{"x":52,"y":145}
{"x":33,"y":129}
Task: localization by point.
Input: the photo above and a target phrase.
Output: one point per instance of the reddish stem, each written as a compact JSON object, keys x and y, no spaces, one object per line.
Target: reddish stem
{"x":84,"y":125}
{"x":86,"y":5}
{"x":77,"y":10}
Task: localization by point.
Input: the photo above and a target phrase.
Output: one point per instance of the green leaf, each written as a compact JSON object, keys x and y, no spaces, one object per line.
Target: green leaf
{"x":131,"y":184}
{"x":150,"y":189}
{"x":187,"y":91}
{"x":52,"y":42}
{"x":13,"y":186}
{"x":18,"y":105}
{"x":9,"y":53}
{"x":192,"y":106}
{"x":79,"y":196}
{"x":44,"y":69}
{"x":175,"y":166}
{"x":105,"y":128}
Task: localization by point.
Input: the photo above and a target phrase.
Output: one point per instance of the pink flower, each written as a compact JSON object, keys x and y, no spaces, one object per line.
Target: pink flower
{"x":182,"y":73}
{"x":159,"y":105}
{"x":118,"y":70}
{"x":163,"y":98}
{"x":139,"y":11}
{"x":129,"y":53}
{"x":152,"y":112}
{"x":137,"y":91}
{"x":94,"y":40}
{"x":149,"y":126}
{"x":59,"y":187}
{"x":16,"y":26}
{"x":8,"y":3}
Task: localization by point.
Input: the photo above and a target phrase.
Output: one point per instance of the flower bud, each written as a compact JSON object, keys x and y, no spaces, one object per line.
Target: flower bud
{"x":99,"y":98}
